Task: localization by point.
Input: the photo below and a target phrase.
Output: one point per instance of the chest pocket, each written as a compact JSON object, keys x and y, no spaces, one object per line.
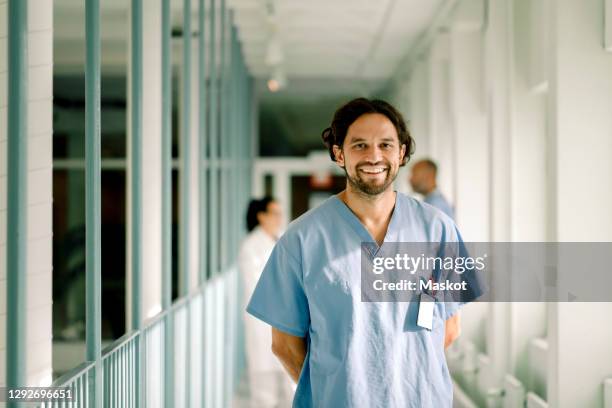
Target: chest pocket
{"x":330,"y":292}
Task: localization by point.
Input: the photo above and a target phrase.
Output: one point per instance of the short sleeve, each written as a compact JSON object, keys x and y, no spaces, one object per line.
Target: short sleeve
{"x":472,"y":280}
{"x":279,"y":298}
{"x":451,"y":308}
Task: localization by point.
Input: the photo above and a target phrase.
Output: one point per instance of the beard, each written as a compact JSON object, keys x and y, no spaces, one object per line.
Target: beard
{"x":371,"y":188}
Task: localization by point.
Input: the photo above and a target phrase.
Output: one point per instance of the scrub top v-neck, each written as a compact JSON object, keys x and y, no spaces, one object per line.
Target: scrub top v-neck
{"x":349,"y":216}
{"x":360,"y":354}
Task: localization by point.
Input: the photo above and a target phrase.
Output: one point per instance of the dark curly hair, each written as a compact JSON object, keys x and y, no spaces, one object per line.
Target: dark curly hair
{"x":352,"y":110}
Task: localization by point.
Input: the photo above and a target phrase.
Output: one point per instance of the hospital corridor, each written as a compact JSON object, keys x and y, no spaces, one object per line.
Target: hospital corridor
{"x":206,"y":203}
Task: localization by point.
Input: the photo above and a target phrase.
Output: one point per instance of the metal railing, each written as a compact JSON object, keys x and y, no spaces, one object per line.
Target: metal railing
{"x":213,"y":319}
{"x":118,"y":364}
{"x":190,"y":353}
{"x":78,"y":381}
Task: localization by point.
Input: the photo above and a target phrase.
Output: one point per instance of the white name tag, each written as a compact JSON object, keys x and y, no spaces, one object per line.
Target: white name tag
{"x":426,"y":310}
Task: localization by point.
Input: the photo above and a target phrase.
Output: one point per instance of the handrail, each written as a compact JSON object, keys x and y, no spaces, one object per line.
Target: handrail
{"x":73,"y":374}
{"x":151,"y":321}
{"x":147,"y":324}
{"x":108,"y":350}
{"x":113,"y":351}
{"x":177,"y":304}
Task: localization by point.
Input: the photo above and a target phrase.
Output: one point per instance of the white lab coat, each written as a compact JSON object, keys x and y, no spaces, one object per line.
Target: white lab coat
{"x":268,"y":382}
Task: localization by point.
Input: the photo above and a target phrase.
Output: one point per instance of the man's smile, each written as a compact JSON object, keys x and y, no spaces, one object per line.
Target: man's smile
{"x":373,"y":169}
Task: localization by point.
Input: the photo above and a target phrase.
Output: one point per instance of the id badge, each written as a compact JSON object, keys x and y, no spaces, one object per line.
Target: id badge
{"x":426,"y":310}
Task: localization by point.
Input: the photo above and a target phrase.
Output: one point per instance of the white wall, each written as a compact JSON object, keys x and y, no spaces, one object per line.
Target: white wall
{"x":39,"y":194}
{"x":527,"y":138}
{"x":580,"y":92}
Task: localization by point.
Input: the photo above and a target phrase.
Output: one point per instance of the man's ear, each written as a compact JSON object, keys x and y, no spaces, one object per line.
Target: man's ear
{"x":339,"y":155}
{"x":402,"y":153}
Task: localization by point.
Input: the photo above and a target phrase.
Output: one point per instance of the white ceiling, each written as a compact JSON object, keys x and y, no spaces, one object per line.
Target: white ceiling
{"x":333,"y":38}
{"x":353,"y":44}
{"x":332,"y":46}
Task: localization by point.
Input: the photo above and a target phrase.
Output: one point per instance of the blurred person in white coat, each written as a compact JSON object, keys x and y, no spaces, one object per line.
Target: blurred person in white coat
{"x":268,"y":384}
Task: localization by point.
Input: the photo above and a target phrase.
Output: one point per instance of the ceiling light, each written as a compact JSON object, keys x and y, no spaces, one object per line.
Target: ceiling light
{"x":273,"y":85}
{"x":278,"y":79}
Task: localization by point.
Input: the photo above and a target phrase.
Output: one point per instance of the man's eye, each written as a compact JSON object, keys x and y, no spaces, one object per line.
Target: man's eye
{"x":359,"y":146}
{"x":387,"y":145}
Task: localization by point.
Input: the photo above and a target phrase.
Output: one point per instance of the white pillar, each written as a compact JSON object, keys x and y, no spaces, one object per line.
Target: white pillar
{"x":257,"y":182}
{"x":40,"y":188}
{"x":282,"y":192}
{"x":418,"y":91}
{"x":528,"y":198}
{"x":151,"y":161}
{"x":441,"y":146}
{"x":469,"y":123}
{"x":498,"y":53}
{"x":529,"y":150}
{"x":464,"y":140}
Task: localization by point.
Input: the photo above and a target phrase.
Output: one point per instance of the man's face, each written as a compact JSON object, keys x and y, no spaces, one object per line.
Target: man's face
{"x":421,"y":178}
{"x":371,"y":154}
{"x":418,"y":178}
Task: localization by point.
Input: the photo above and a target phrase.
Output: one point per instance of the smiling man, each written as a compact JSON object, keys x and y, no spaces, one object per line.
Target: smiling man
{"x":343,"y":352}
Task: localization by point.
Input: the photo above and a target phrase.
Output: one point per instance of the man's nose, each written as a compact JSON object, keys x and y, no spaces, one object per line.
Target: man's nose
{"x":374,"y":155}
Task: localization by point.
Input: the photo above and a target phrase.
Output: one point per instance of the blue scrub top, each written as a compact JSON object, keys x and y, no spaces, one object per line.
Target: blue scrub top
{"x":360,"y":354}
{"x":436,"y":199}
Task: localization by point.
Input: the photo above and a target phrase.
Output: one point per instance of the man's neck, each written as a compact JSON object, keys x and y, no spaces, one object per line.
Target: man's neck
{"x":374,"y":212}
{"x":430,"y":190}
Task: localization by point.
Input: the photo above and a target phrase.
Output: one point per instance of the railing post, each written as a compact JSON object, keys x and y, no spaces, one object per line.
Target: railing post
{"x":203,"y":182}
{"x":16,"y":250}
{"x":167,"y":202}
{"x":185,"y":149}
{"x":186,"y":185}
{"x":213,"y":152}
{"x":93,"y":200}
{"x":223,"y":188}
{"x":136,"y":186}
{"x":203,"y":142}
{"x":236,"y":210}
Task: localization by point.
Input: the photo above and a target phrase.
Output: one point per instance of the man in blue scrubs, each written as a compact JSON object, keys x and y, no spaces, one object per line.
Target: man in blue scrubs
{"x":341,"y":351}
{"x":423,"y":181}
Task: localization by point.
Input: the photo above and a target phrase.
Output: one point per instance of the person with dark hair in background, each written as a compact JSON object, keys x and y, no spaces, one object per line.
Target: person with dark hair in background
{"x":340,"y":350}
{"x":423,"y":181}
{"x":268,"y":385}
